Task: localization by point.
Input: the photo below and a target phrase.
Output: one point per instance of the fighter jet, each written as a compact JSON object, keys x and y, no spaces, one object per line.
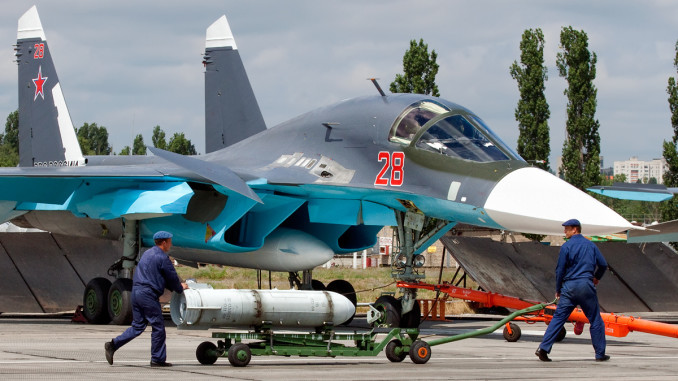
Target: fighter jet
{"x":283,"y":198}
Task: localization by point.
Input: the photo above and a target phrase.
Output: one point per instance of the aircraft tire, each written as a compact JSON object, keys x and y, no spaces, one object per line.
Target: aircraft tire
{"x":345,"y":288}
{"x":411,"y":319}
{"x":317,"y":285}
{"x":239,"y":355}
{"x":561,"y":335}
{"x":95,"y":301}
{"x":206,"y":353}
{"x":120,"y":301}
{"x":390,"y":309}
{"x":514,"y":335}
{"x":420,"y":352}
{"x":391,"y":349}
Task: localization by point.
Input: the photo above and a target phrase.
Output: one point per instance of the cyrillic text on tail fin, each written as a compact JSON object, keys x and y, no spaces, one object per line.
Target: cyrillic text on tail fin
{"x":46,"y":134}
{"x":231,"y":110}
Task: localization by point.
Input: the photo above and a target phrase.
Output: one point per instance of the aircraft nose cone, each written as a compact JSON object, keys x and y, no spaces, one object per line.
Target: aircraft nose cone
{"x":530,"y":200}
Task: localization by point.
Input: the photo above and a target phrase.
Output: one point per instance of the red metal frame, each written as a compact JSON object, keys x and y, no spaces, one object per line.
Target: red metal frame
{"x":615,"y":325}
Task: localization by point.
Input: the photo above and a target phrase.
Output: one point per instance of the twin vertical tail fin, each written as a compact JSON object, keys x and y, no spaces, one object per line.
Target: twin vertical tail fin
{"x":46,"y":133}
{"x":231,"y":110}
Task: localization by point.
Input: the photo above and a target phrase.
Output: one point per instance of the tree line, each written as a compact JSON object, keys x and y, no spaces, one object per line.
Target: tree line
{"x":93,"y":140}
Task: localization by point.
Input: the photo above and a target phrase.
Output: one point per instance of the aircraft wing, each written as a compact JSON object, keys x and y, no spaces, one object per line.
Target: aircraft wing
{"x":107,"y":192}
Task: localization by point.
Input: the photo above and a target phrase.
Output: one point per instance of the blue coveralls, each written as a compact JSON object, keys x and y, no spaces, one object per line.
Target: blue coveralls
{"x":579,"y":262}
{"x":153,"y":274}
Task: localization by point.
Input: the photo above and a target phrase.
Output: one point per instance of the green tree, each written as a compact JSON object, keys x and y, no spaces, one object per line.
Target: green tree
{"x":139,"y":148}
{"x":9,"y":141}
{"x":532,"y":112}
{"x":93,"y":139}
{"x":158,"y":138}
{"x":419,"y":69}
{"x":581,"y":150}
{"x":670,"y":207}
{"x":125,"y":151}
{"x":179,"y":144}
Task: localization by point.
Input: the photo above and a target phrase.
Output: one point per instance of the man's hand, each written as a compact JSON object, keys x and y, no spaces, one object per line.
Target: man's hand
{"x":595,"y":281}
{"x":184,"y":285}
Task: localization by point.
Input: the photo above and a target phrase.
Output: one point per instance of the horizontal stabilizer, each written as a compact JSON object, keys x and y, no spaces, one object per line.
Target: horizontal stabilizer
{"x":637,"y":192}
{"x":213,"y":172}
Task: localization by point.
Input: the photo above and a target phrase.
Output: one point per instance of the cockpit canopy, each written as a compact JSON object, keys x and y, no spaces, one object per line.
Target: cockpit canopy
{"x":451,"y":132}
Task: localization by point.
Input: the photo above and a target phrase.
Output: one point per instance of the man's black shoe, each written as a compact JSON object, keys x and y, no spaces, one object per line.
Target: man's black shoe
{"x":110,"y":350}
{"x":160,"y":364}
{"x":543,"y":356}
{"x":604,"y":358}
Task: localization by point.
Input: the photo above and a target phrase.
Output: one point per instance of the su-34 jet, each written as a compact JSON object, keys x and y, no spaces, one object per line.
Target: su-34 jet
{"x":285,"y":198}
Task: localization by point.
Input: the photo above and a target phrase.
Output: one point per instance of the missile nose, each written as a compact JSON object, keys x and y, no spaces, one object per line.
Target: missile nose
{"x":342,"y":308}
{"x":530,"y":200}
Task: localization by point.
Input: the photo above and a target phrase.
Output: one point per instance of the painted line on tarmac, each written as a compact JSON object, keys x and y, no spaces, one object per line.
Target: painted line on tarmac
{"x":280,"y":359}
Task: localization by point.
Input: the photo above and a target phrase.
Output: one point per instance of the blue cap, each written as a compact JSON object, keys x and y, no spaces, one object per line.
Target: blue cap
{"x":162,"y":235}
{"x":571,"y":222}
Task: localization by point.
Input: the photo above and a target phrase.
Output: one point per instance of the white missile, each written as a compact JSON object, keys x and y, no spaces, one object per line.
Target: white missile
{"x":201,"y":307}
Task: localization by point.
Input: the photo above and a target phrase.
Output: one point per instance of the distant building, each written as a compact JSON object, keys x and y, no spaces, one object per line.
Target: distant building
{"x":635,"y":169}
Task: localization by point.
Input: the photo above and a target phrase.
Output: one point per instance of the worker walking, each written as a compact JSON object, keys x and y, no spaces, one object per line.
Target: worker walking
{"x":580,"y":267}
{"x":152,"y":275}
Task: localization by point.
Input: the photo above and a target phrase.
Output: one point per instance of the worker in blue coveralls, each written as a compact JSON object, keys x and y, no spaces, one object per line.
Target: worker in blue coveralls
{"x":580,"y":267}
{"x":152,"y":275}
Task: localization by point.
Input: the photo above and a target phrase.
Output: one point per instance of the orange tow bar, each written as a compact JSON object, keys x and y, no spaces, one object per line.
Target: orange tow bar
{"x":615,"y":325}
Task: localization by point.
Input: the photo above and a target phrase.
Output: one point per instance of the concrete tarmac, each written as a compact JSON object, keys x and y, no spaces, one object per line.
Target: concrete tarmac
{"x":56,"y":349}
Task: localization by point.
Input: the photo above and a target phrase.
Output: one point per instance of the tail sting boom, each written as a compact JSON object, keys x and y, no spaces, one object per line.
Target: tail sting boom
{"x":43,"y":115}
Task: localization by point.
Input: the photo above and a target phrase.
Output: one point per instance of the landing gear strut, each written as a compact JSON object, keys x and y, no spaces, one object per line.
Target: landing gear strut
{"x":414,"y":233}
{"x":104,"y":302}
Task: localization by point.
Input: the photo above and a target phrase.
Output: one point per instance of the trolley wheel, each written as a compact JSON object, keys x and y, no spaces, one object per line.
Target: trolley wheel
{"x":95,"y":301}
{"x":514,"y":335}
{"x":120,"y":301}
{"x":207,"y":353}
{"x":317,"y":285}
{"x":561,"y":335}
{"x":239,"y":354}
{"x":391,"y":349}
{"x":411,"y":319}
{"x":345,"y":288}
{"x":420,"y":352}
{"x":390,"y":311}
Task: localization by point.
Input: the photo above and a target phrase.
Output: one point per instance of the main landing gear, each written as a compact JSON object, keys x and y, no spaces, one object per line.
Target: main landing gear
{"x":105,"y":302}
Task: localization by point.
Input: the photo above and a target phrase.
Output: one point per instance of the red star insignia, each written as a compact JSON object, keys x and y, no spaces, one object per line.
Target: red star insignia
{"x":39,"y":83}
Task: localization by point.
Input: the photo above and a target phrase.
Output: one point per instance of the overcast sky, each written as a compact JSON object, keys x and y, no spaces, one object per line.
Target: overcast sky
{"x":130,"y":65}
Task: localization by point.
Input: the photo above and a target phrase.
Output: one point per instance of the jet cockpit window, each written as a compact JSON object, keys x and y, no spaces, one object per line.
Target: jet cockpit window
{"x":504,"y":147}
{"x":413,"y":118}
{"x":455,"y":136}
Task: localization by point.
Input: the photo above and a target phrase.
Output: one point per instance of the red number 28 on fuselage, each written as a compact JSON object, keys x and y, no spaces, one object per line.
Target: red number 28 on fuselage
{"x":395,"y":162}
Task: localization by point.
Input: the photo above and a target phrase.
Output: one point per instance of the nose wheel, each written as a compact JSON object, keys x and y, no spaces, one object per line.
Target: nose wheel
{"x":388,"y":310}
